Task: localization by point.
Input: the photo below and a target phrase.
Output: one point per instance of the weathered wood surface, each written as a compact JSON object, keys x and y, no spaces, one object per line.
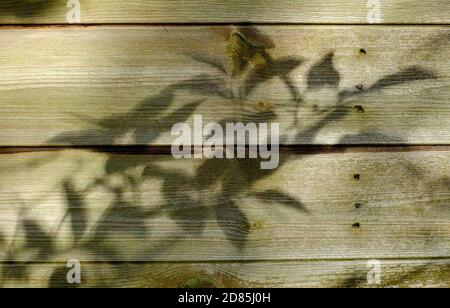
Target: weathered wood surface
{"x":98,"y":207}
{"x":152,"y":221}
{"x":394,"y":274}
{"x":129,"y":85}
{"x":230,"y":11}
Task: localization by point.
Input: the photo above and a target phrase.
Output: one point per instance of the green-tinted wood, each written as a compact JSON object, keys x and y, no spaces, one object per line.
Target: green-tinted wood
{"x":297,"y":274}
{"x":129,"y":85}
{"x":230,"y":11}
{"x":98,"y":207}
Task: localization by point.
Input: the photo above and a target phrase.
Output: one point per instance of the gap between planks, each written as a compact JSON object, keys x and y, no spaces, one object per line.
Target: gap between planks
{"x":211,"y":24}
{"x":246,"y":261}
{"x":285,"y":149}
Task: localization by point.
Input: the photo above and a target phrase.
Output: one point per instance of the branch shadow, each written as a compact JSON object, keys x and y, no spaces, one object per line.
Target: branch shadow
{"x":226,"y":181}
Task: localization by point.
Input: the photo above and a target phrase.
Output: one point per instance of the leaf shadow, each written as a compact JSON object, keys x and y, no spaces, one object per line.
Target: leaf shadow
{"x":37,"y":239}
{"x":252,"y":65}
{"x":324,"y":74}
{"x":408,"y":75}
{"x":25,"y":8}
{"x":217,"y":187}
{"x":76,"y":210}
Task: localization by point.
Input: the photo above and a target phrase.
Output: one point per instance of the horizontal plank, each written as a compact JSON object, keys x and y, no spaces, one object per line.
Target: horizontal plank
{"x":129,"y":85}
{"x":230,"y":11}
{"x":296,"y":274}
{"x":106,"y":207}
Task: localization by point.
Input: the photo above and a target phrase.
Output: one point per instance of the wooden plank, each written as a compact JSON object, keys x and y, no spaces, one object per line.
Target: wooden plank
{"x":231,"y":11}
{"x":129,"y":85}
{"x":296,"y":274}
{"x":100,"y":207}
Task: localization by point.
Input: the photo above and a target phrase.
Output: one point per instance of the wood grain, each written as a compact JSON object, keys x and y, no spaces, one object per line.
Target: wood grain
{"x":129,"y":85}
{"x":296,"y":274}
{"x":85,"y":170}
{"x":231,"y":11}
{"x":99,"y":207}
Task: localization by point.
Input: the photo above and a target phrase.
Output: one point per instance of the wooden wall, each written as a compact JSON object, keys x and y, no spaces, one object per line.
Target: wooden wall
{"x":361,"y":90}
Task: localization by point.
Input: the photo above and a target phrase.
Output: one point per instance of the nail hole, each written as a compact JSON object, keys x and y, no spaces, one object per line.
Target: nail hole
{"x":359,"y":108}
{"x":362,"y":52}
{"x":358,"y":205}
{"x":357,"y":177}
{"x":360,"y":87}
{"x":357,"y":225}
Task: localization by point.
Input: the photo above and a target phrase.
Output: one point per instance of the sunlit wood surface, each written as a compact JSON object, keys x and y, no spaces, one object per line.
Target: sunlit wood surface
{"x":85,"y":133}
